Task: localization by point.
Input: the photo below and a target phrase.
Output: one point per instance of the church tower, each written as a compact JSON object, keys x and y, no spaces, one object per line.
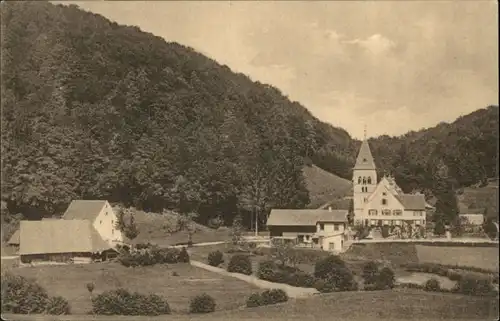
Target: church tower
{"x":364,"y":179}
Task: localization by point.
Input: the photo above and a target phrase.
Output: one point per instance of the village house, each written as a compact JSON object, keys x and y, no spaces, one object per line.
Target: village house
{"x":471,"y":216}
{"x":324,"y":229}
{"x":383,"y":203}
{"x":61,"y":241}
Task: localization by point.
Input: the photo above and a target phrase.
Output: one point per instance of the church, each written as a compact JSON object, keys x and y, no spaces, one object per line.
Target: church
{"x":378,"y":203}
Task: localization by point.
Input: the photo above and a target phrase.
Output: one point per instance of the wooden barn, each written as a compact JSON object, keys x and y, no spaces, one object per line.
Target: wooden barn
{"x":61,"y":241}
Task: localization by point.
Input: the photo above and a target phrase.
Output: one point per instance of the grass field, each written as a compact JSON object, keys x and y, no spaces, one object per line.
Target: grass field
{"x":482,"y":257}
{"x":358,"y":306}
{"x":323,"y":186}
{"x":69,"y":281}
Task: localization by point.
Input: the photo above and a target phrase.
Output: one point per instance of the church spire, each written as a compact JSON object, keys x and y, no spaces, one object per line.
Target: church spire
{"x":365,"y":158}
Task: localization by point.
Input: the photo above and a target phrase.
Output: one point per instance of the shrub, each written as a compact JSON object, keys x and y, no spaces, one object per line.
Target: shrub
{"x":122,"y":302}
{"x":215,"y":258}
{"x":57,"y":305}
{"x":254,"y":300}
{"x":153,"y":255}
{"x":432,"y":285}
{"x":267,"y":270}
{"x":202,"y":303}
{"x":385,"y":279}
{"x":240,"y":264}
{"x":336,"y":274}
{"x":471,"y":285}
{"x":22,"y":295}
{"x":370,"y":272}
{"x":385,"y":230}
{"x":274,"y":296}
{"x":301,"y":279}
{"x":325,"y":267}
{"x":183,"y":256}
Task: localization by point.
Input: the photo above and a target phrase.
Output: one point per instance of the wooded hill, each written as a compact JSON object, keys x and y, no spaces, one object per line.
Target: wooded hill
{"x":95,"y":110}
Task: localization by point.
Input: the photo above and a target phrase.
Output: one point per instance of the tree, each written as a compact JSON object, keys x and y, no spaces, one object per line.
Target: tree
{"x":131,"y":231}
{"x":185,"y":222}
{"x":490,"y":228}
{"x":439,"y":226}
{"x":284,"y":253}
{"x":385,"y":279}
{"x":350,"y":214}
{"x":237,"y":230}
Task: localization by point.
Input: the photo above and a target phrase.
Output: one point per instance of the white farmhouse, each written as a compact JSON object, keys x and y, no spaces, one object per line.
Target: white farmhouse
{"x":100,"y":214}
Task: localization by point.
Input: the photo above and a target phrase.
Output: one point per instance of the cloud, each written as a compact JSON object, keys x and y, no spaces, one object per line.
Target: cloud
{"x":395,"y":65}
{"x":375,"y":44}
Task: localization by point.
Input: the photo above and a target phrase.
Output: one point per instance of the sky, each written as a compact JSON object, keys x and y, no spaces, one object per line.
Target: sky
{"x":392,"y":66}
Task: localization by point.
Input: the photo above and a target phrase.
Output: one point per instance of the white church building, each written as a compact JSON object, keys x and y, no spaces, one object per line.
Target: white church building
{"x":382,"y":203}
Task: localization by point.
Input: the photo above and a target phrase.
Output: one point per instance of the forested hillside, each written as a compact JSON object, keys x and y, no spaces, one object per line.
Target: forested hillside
{"x":92,"y":109}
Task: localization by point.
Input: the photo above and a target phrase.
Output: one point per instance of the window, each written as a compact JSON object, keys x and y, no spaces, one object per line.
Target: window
{"x":384,"y":201}
{"x":386,"y":212}
{"x":366,"y":200}
{"x":359,"y":180}
{"x":397,"y":212}
{"x":335,"y":227}
{"x":100,"y":222}
{"x":417,"y":213}
{"x":384,"y":194}
{"x":372,"y":212}
{"x":106,"y":213}
{"x":364,"y":180}
{"x":369,"y":180}
{"x":113,"y":231}
{"x":331,"y":246}
{"x":307,"y":237}
{"x":321,"y":227}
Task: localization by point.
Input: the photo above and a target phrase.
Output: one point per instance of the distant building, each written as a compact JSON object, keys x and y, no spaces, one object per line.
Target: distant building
{"x":100,"y":214}
{"x":383,"y":203}
{"x":61,"y":241}
{"x":319,"y":228}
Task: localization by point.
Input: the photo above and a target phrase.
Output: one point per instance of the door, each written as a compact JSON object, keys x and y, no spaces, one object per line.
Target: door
{"x":331,"y":246}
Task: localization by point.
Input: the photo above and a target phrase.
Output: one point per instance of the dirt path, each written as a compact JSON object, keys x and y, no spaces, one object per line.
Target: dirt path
{"x":292,"y":291}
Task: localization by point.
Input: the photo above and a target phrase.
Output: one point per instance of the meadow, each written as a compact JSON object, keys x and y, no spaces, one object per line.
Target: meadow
{"x":481,"y":257}
{"x":70,"y":282}
{"x":358,"y":306}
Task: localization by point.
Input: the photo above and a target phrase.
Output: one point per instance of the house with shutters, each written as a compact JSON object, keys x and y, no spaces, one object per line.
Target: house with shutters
{"x":378,"y":203}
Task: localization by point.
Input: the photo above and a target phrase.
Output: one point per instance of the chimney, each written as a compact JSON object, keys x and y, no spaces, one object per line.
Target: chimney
{"x":329,"y":208}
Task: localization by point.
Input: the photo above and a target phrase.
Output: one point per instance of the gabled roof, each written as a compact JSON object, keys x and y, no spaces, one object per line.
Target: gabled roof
{"x":412,"y":201}
{"x":14,"y":239}
{"x":293,"y":217}
{"x":84,"y":210}
{"x":365,"y":158}
{"x":59,"y":236}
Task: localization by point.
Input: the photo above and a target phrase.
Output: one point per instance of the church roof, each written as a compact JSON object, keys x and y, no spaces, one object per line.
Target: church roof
{"x":365,"y":158}
{"x":412,"y":201}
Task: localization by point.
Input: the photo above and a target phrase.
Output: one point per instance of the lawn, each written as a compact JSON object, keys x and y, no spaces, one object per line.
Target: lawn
{"x":359,"y":306}
{"x":70,"y":282}
{"x":482,"y":257}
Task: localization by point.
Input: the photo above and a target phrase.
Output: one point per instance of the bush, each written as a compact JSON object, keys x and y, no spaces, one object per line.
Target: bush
{"x":274,"y":296}
{"x":325,"y":267}
{"x":270,"y":271}
{"x":240,"y":264}
{"x":267,"y":270}
{"x":183,"y":256}
{"x":335,"y":273}
{"x":122,"y":302}
{"x":22,"y":295}
{"x":153,"y":255}
{"x":215,"y":258}
{"x":385,"y":279}
{"x":370,"y":272}
{"x":385,"y":230}
{"x":254,"y":300}
{"x":202,"y":303}
{"x":57,"y":305}
{"x":301,"y":279}
{"x":432,"y":285}
{"x":471,"y":285}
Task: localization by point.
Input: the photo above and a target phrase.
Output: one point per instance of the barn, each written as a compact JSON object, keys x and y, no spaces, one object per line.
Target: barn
{"x":61,"y":241}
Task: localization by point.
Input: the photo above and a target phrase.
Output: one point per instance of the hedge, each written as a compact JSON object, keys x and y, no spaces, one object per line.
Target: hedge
{"x":215,"y":258}
{"x":153,"y":255}
{"x":451,"y":271}
{"x":240,"y":264}
{"x":123,"y":302}
{"x":25,"y":296}
{"x":267,"y":297}
{"x":272,"y":272}
{"x":202,"y":303}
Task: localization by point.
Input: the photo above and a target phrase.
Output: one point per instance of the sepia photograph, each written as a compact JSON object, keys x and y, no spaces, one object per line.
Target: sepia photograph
{"x":249,"y":160}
